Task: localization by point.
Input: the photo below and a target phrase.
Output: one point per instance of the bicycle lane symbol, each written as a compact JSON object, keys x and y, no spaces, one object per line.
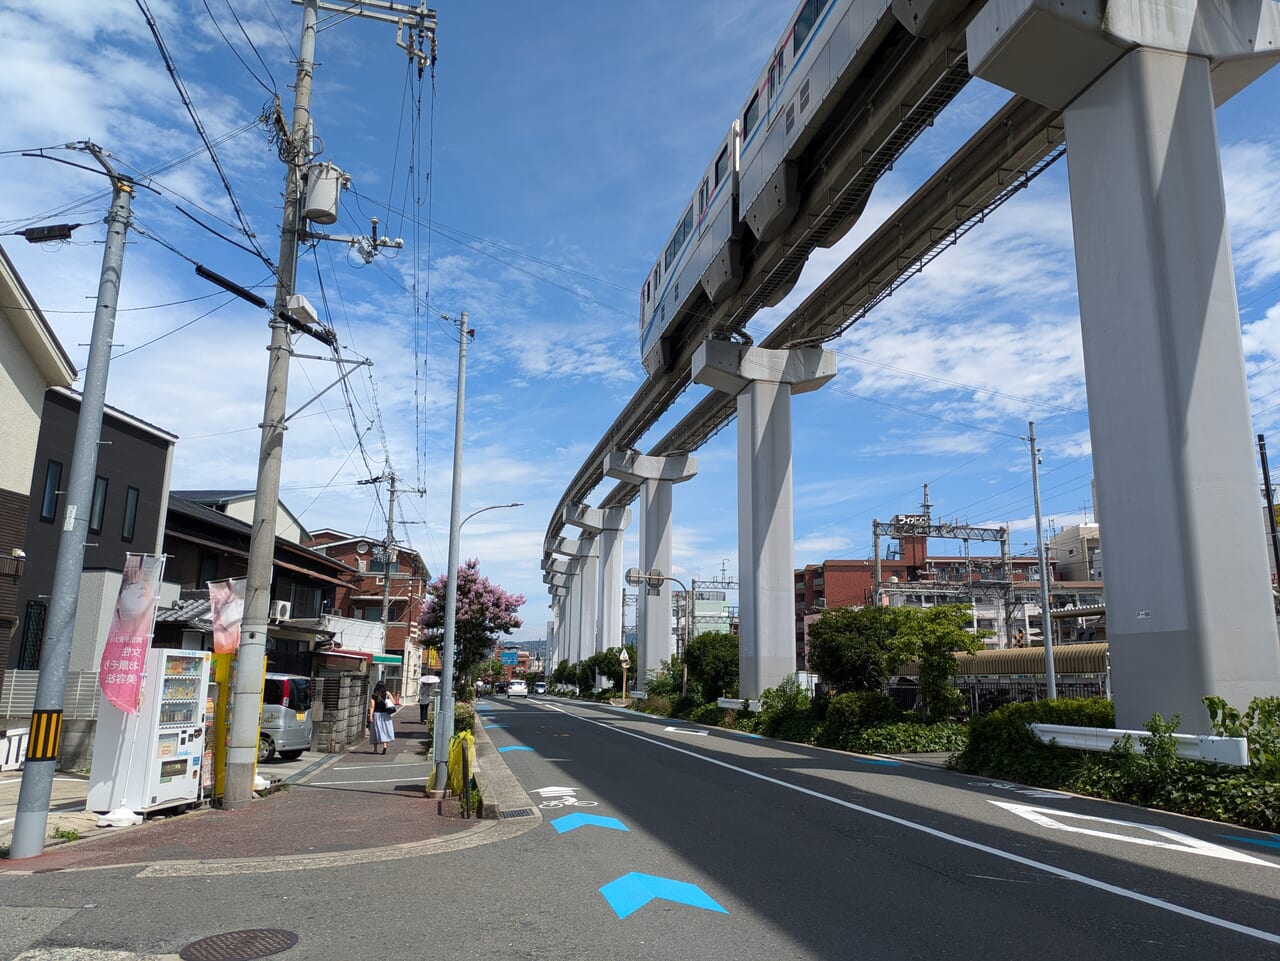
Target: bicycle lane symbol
{"x":562,"y":797}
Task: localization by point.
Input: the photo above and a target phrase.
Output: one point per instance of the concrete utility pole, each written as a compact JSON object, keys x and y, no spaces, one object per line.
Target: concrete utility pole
{"x":247,"y":695}
{"x":1046,"y":619}
{"x":32,"y":815}
{"x":444,"y":717}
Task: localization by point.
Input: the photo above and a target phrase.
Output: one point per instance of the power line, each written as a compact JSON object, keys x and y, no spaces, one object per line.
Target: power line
{"x":204,"y":137}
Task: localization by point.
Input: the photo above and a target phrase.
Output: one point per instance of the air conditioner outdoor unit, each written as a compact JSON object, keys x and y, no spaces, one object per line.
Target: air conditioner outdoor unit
{"x":820,"y":603}
{"x":280,"y":610}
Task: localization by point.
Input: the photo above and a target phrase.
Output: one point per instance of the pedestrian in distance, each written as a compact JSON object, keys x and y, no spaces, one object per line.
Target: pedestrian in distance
{"x":382,"y":705}
{"x":426,"y":684}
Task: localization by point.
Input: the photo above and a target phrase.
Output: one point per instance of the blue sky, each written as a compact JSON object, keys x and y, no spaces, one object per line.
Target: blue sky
{"x":562,"y":140}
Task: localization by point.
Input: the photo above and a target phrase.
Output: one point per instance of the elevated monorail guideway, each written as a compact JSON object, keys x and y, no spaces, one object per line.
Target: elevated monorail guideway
{"x":893,"y":93}
{"x":1011,"y":149}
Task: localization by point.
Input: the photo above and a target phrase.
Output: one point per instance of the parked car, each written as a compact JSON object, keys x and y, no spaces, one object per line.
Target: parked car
{"x":285,"y":727}
{"x":517,"y":688}
{"x":539,"y":687}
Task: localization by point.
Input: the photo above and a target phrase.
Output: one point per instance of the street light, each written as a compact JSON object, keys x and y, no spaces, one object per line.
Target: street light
{"x":653,"y":578}
{"x":444,"y":714}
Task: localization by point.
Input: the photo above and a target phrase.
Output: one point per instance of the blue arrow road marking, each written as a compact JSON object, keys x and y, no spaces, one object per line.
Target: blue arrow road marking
{"x":503,"y":750}
{"x":579,"y":820}
{"x":633,"y":891}
{"x":490,"y":727}
{"x":747,"y":734}
{"x":1266,"y":844}
{"x":883,"y":762}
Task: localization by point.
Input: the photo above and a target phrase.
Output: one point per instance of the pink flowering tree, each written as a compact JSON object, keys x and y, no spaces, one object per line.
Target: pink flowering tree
{"x":484,"y":612}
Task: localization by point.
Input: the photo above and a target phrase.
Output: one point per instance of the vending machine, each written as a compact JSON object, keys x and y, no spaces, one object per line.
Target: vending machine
{"x":154,"y":759}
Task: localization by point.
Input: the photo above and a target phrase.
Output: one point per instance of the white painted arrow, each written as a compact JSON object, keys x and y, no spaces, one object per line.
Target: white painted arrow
{"x":684,"y":730}
{"x":556,"y":791}
{"x":1164,"y":837}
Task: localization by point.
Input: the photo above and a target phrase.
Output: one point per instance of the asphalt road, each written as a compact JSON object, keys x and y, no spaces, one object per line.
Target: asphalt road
{"x":650,"y":840}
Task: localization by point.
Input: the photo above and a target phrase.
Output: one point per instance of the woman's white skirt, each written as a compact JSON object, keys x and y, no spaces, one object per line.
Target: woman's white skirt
{"x":383,"y":731}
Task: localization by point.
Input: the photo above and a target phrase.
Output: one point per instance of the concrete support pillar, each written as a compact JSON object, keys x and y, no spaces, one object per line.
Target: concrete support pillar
{"x":1189,"y":609}
{"x":588,"y":574}
{"x":763,"y":381}
{"x":655,"y":475}
{"x":606,"y":526}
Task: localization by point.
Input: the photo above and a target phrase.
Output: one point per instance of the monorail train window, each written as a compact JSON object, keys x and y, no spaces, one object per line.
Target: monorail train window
{"x":775,"y":76}
{"x":703,"y":193}
{"x":751,"y":115}
{"x":686,"y":225}
{"x":722,"y":165}
{"x":673,"y":248}
{"x":804,"y":23}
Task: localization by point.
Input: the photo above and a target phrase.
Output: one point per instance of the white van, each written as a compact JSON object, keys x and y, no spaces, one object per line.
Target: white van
{"x":285,"y":728}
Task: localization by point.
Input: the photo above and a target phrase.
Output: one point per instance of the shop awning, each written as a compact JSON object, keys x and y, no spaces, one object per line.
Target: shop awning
{"x":387,"y":659}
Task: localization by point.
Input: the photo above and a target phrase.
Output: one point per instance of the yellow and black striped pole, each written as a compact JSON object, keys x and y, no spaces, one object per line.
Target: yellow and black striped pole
{"x":46,"y":736}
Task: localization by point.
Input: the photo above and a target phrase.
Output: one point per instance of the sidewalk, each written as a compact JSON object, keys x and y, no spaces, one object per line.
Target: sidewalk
{"x":378,"y":808}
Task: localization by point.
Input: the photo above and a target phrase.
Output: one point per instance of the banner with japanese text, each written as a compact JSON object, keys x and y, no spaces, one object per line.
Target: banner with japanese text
{"x":120,"y":671}
{"x":226,"y":607}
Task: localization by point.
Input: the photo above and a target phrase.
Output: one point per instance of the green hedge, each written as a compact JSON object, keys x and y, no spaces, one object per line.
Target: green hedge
{"x":1001,"y":745}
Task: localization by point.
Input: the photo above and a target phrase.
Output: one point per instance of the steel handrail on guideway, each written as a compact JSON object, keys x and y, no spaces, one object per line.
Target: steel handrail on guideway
{"x":923,"y":76}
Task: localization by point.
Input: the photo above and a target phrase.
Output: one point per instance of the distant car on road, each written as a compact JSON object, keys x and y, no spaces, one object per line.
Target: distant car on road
{"x":517,"y":688}
{"x":539,"y":687}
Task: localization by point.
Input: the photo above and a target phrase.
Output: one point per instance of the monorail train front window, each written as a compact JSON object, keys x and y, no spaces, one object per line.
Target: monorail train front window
{"x":804,"y":23}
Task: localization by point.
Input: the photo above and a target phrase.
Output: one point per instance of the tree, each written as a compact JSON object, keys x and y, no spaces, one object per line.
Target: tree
{"x":484,"y":612}
{"x":855,"y":649}
{"x":713,"y":663}
{"x":933,"y":635}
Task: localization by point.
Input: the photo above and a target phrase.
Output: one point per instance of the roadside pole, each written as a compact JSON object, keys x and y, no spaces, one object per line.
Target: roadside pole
{"x":444,"y":718}
{"x":242,"y":752}
{"x":32,"y":815}
{"x":1046,"y":616}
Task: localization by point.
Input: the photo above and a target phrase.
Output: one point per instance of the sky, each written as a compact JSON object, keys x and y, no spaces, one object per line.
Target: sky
{"x":534,"y":176}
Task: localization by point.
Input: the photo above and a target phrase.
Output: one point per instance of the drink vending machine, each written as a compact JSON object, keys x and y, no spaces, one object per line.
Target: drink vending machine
{"x":154,"y":759}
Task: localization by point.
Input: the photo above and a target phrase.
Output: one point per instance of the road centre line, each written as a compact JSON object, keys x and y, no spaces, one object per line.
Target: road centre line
{"x":954,"y":839}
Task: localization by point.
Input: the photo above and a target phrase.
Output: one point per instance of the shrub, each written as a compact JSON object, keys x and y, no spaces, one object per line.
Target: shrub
{"x":713,"y":663}
{"x":847,"y":714}
{"x":1260,"y":723}
{"x":907,"y":737}
{"x":709,"y":714}
{"x":659,"y":704}
{"x":1001,"y":745}
{"x":784,"y":712}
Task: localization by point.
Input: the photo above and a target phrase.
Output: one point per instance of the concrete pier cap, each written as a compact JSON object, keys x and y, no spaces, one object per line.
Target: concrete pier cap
{"x":636,"y":468}
{"x":729,"y":367}
{"x":1051,"y":51}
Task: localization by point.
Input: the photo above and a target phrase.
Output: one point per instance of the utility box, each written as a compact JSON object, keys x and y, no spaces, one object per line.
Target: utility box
{"x":324,"y":183}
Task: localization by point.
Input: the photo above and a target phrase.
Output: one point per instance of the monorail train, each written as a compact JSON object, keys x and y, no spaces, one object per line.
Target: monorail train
{"x":750,"y":192}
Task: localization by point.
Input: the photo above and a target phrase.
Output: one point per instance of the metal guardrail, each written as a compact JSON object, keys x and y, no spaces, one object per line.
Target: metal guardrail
{"x":80,"y":701}
{"x":1194,"y":747}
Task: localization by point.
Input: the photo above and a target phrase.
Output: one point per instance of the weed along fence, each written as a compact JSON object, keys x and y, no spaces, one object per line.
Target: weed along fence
{"x":990,"y":679}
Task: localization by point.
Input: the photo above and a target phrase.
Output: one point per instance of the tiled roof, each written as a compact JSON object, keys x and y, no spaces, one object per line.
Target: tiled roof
{"x":194,"y":613}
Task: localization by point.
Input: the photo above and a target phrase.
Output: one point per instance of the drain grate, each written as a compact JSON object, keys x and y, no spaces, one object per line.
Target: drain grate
{"x":239,"y":945}
{"x":517,"y":813}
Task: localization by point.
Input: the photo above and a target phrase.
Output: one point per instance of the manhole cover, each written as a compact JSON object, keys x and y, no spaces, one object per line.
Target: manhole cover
{"x":517,"y":813}
{"x":239,"y":945}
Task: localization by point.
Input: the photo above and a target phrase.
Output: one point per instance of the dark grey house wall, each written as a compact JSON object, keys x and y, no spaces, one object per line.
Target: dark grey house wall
{"x":128,"y":456}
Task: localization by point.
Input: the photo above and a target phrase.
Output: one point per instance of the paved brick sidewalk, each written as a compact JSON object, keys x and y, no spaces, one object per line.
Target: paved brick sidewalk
{"x":305,"y":818}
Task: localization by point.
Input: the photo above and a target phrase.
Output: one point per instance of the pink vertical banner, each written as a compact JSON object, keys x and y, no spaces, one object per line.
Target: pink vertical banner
{"x":226,"y":607}
{"x":120,"y":671}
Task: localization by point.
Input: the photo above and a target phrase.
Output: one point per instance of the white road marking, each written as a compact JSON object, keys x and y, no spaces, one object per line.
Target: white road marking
{"x":1169,"y":906}
{"x":1171,"y":840}
{"x":685,"y":730}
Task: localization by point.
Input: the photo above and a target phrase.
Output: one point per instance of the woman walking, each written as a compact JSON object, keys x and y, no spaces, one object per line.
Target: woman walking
{"x":381,"y":706}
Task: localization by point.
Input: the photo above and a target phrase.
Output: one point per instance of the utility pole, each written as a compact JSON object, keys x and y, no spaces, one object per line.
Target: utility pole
{"x":296,"y":152}
{"x":444,"y":717}
{"x":1271,"y":501}
{"x":32,"y":816}
{"x":1046,"y":618}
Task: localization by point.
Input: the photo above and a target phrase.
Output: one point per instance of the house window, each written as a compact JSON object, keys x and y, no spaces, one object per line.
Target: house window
{"x":130,"y":514}
{"x":99,"y":504}
{"x":52,"y":488}
{"x":32,"y":636}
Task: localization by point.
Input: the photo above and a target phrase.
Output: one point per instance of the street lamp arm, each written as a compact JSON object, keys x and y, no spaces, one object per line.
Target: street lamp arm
{"x":491,"y":507}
